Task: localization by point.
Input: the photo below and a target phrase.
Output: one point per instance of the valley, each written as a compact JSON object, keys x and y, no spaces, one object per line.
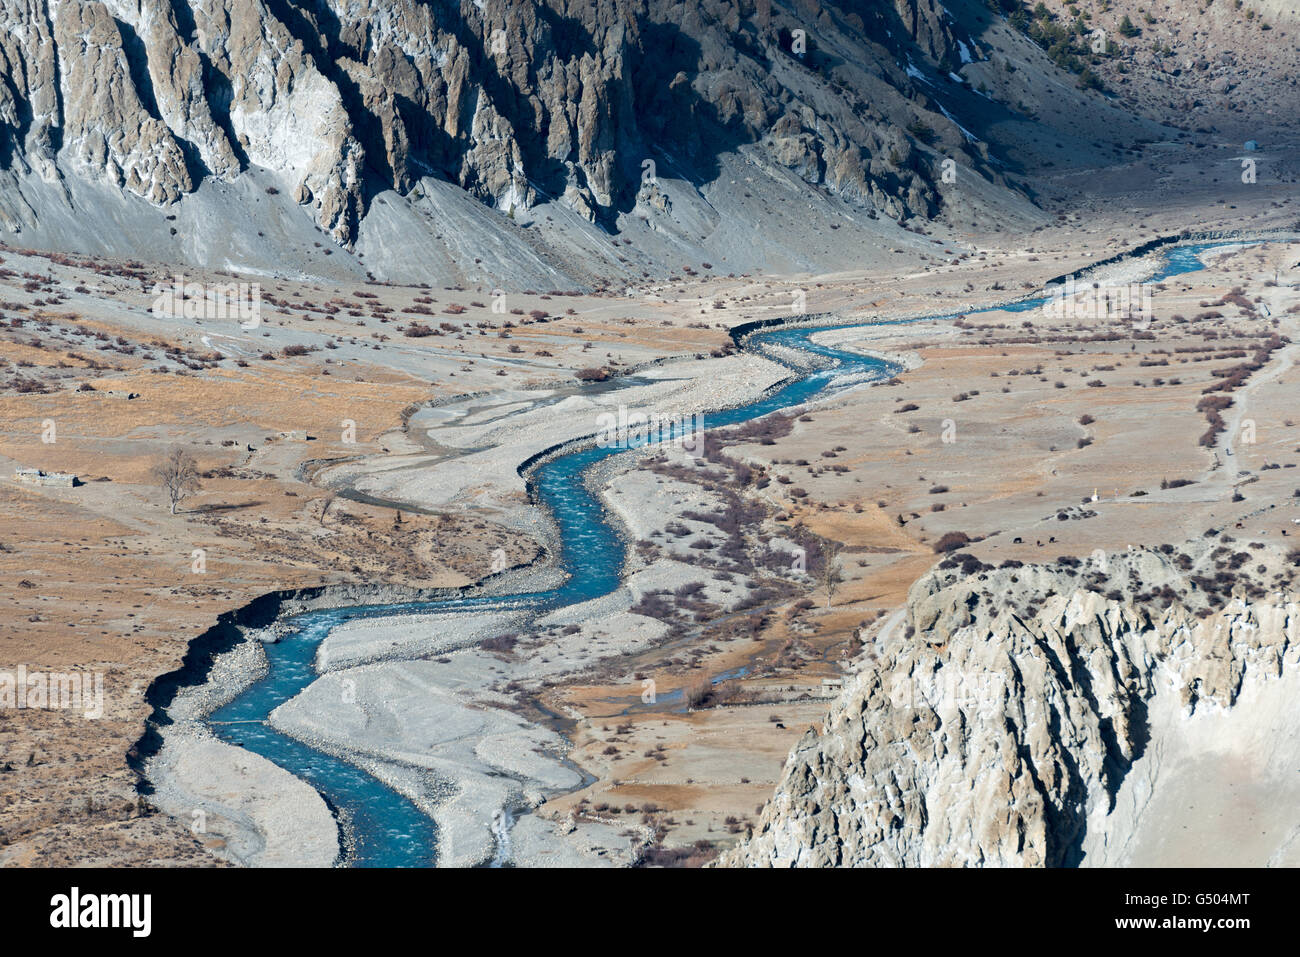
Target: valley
{"x":964,"y":533}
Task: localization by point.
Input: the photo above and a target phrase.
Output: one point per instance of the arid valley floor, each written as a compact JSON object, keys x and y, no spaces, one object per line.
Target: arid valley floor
{"x":370,"y":434}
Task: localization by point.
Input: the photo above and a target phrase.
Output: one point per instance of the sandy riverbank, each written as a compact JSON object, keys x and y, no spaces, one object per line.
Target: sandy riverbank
{"x":241,"y":806}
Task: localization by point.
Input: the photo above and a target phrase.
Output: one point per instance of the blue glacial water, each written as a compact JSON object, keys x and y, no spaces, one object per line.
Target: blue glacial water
{"x":388,"y":830}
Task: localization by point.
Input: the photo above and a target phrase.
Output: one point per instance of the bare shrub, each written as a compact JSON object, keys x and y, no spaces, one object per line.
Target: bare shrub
{"x":951,"y":541}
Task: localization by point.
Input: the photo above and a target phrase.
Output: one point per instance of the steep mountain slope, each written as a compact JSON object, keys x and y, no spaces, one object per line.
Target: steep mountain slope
{"x":264,"y":132}
{"x":1226,"y":66}
{"x":1119,"y":712}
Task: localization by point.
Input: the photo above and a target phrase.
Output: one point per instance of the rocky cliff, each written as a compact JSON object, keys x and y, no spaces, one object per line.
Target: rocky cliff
{"x":590,"y":106}
{"x":1056,"y":716}
{"x":505,"y":100}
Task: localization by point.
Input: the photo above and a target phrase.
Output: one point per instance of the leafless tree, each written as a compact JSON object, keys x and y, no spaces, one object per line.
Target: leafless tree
{"x":178,"y":474}
{"x":325,"y":504}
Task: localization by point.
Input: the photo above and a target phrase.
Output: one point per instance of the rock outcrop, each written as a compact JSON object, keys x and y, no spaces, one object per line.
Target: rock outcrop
{"x":515,"y":103}
{"x":999,"y":728}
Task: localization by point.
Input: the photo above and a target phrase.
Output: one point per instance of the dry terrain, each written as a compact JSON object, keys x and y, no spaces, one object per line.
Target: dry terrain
{"x":1040,"y":414}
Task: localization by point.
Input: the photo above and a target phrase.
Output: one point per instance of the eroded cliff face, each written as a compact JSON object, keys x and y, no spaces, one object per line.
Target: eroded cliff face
{"x":997,"y":729}
{"x":513,"y":102}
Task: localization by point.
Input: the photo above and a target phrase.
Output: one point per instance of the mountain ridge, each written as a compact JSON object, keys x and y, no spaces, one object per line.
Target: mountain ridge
{"x":567,"y":124}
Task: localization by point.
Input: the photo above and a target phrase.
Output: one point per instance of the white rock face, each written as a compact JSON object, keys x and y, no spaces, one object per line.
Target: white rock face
{"x":512,"y":102}
{"x":1056,"y":716}
{"x":107,"y":129}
